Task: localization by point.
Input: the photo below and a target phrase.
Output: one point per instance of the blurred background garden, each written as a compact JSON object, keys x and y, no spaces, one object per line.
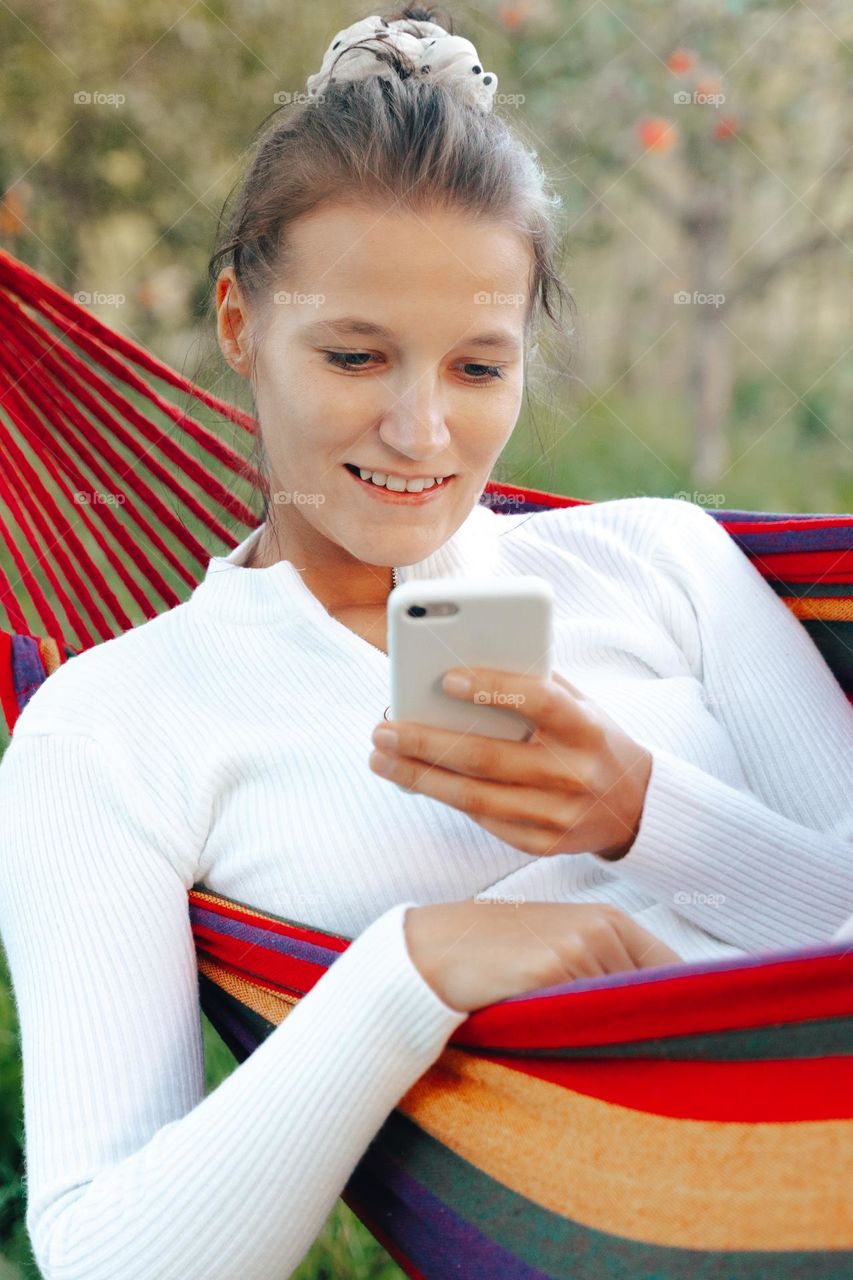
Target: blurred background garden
{"x":703,"y":154}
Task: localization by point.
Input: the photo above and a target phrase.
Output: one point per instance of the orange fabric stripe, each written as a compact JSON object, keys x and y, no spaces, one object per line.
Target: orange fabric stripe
{"x":832,"y":608}
{"x":643,"y":1177}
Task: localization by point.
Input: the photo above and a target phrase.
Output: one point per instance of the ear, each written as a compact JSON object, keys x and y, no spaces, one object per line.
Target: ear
{"x":232,"y":327}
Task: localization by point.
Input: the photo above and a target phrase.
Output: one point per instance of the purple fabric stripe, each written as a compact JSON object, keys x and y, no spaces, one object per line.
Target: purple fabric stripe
{"x":223,"y":1020}
{"x":436,"y":1240}
{"x":27,"y":668}
{"x":501,"y":504}
{"x":635,"y":977}
{"x":802,"y":539}
{"x":296,"y":947}
{"x":767,"y":516}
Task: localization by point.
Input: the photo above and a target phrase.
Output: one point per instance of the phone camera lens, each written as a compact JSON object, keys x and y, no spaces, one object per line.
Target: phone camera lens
{"x":416,"y":611}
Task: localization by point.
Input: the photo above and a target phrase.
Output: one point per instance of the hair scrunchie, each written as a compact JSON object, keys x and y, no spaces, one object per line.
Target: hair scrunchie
{"x":424,"y":46}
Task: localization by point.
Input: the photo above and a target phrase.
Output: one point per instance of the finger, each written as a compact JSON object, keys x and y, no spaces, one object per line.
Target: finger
{"x":475,"y":796}
{"x":547,"y":704}
{"x":570,"y":948}
{"x":573,"y":689}
{"x":531,"y":764}
{"x":528,"y":837}
{"x":610,"y":947}
{"x":645,"y":950}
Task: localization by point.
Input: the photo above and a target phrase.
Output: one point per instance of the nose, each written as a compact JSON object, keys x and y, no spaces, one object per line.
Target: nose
{"x":413,"y":423}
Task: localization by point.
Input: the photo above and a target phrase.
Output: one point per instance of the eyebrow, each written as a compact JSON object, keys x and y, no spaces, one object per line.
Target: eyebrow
{"x":368,"y":329}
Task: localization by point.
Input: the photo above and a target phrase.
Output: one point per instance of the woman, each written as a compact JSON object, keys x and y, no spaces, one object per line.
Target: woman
{"x":682,"y":800}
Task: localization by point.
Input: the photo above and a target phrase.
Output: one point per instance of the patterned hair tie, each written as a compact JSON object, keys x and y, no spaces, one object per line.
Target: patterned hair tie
{"x":434,"y":53}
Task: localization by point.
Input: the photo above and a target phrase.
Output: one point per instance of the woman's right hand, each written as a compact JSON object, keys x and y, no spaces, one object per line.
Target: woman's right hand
{"x":477,"y":951}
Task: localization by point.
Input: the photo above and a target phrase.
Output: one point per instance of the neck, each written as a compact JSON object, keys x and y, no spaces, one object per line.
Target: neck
{"x":337,"y":582}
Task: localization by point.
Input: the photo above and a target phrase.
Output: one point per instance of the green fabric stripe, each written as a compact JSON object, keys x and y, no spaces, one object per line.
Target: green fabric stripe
{"x":566,"y":1250}
{"x":835,"y":641}
{"x":214,"y":999}
{"x":803,"y":590}
{"x":819,"y":1038}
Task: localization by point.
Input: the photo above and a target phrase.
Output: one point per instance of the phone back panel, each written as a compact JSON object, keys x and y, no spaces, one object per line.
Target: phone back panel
{"x":505,"y":623}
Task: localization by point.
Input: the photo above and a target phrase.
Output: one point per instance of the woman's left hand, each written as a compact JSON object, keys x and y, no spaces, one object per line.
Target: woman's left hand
{"x":577,"y":785}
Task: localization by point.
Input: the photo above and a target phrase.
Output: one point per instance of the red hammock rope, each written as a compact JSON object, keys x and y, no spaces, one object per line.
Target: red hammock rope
{"x":58,"y":396}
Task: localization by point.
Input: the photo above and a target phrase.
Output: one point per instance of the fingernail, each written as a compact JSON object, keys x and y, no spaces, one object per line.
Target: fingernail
{"x":386,"y":739}
{"x":455,"y":682}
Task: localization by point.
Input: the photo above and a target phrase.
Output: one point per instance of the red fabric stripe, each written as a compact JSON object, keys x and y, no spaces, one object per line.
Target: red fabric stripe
{"x":750,"y":1092}
{"x":317,"y":938}
{"x":538,"y":495}
{"x":806,"y":566}
{"x":8,"y":701}
{"x":254,"y":961}
{"x":783,"y":526}
{"x":685,"y":1002}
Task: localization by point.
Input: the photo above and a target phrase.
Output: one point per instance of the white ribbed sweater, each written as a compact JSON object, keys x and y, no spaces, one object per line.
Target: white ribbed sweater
{"x":226,"y":741}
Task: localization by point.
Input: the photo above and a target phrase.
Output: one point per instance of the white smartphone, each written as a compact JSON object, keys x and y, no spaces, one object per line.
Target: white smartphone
{"x":438,"y":623}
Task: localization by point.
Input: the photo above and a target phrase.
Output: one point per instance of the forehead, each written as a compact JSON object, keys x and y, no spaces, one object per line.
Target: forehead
{"x":351,"y":254}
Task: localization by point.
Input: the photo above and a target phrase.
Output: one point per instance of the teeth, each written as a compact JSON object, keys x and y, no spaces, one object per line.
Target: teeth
{"x":398,"y":484}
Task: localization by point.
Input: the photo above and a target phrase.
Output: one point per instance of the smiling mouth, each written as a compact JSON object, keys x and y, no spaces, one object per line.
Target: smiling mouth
{"x":400,"y":488}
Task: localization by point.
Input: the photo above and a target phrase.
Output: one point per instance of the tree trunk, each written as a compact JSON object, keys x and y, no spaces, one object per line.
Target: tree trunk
{"x":710,"y":368}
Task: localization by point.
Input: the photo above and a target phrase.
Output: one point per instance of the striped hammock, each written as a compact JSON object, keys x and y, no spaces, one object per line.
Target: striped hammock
{"x":688,"y":1121}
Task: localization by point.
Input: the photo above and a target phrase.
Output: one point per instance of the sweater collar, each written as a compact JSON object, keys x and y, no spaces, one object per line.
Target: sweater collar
{"x":277,"y":594}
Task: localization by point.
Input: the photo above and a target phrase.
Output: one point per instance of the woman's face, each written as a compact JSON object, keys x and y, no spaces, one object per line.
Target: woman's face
{"x":437,"y":394}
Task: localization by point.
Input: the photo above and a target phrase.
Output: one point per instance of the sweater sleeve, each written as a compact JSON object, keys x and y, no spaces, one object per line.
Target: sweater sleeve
{"x":769,"y":866}
{"x":131,"y":1171}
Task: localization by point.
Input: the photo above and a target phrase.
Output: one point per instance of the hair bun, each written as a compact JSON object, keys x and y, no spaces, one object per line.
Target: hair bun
{"x":404,"y":47}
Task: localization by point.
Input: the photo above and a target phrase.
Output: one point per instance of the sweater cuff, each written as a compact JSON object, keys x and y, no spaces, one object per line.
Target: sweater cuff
{"x":414,"y":1021}
{"x":741,"y":871}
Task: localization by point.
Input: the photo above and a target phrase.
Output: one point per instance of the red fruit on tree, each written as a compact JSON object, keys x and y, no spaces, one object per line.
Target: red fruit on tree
{"x":726,"y":127}
{"x":511,"y":15}
{"x":681,"y":62}
{"x":654,"y":133}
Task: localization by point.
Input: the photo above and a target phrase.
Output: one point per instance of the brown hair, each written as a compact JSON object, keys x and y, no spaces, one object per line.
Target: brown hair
{"x":405,"y":138}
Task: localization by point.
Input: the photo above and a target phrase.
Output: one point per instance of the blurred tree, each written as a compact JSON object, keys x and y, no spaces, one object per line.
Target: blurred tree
{"x":715,"y":140}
